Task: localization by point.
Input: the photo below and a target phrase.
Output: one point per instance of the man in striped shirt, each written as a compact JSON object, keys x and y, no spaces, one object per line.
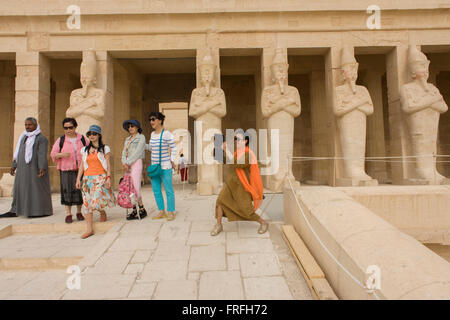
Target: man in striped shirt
{"x":167,"y":164}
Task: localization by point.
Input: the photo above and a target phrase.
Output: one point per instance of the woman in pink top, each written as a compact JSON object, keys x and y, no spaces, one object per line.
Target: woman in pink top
{"x":66,"y":152}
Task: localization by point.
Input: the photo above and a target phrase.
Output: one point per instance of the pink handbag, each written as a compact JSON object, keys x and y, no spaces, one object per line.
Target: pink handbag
{"x":127,"y":193}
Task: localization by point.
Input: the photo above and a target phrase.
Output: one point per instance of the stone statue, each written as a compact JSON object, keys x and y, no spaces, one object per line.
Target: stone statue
{"x":208,"y":105}
{"x":280,"y":104}
{"x":422,"y":105}
{"x":87,"y":104}
{"x":353,"y":105}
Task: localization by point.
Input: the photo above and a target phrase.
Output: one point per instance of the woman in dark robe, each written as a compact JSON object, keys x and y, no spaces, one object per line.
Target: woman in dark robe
{"x":242,"y":192}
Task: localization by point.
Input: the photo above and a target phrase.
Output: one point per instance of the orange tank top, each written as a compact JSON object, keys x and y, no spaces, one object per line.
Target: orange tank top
{"x":95,"y":167}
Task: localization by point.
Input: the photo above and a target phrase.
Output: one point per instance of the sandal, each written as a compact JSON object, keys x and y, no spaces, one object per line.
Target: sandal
{"x":87,"y":235}
{"x":263,"y":228}
{"x":170,"y":216}
{"x":142,"y":212}
{"x":161,"y":215}
{"x":80,"y":216}
{"x":132,"y":215}
{"x":218,"y":228}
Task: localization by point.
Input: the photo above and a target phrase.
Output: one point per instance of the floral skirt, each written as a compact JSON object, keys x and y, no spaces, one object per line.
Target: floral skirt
{"x":95,"y":194}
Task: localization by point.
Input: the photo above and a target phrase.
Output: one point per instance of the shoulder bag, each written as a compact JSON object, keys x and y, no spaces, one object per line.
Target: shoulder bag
{"x":155,"y":170}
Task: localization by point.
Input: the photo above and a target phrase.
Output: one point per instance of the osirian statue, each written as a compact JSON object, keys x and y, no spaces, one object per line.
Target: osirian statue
{"x":208,"y":106}
{"x":87,"y":104}
{"x":280,"y":104}
{"x":353,"y":105}
{"x":422,"y":105}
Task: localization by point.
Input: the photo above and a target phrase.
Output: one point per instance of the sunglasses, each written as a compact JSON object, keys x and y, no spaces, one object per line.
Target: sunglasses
{"x":69,"y":128}
{"x":131,"y":125}
{"x":152,"y":119}
{"x":92,"y":134}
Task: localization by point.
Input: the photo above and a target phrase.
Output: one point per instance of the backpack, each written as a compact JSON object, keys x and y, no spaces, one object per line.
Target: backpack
{"x":127,"y":193}
{"x":62,"y":138}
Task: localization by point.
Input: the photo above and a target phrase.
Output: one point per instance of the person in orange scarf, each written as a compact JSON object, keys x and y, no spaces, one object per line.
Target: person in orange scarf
{"x":242,"y":192}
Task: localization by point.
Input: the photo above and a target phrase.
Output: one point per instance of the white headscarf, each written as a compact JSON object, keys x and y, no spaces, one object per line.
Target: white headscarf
{"x":29,"y":144}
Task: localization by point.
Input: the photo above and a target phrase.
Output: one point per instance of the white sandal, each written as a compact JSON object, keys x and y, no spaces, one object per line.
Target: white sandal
{"x":218,"y":228}
{"x":263,"y":228}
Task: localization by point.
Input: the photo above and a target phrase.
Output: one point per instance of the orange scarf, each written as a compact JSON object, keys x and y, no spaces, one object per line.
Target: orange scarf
{"x":255,"y":187}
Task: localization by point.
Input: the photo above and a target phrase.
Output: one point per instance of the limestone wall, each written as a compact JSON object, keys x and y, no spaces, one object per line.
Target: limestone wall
{"x":408,"y":269}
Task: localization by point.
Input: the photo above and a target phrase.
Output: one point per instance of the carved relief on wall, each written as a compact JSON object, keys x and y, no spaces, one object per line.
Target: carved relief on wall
{"x":353,"y":105}
{"x":280,"y":104}
{"x":87,"y":104}
{"x":422,"y":105}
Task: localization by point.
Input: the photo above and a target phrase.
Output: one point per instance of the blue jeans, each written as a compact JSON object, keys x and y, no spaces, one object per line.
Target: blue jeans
{"x":165,"y":178}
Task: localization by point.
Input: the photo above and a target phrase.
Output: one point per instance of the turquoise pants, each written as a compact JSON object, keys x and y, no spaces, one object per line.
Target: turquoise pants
{"x":165,"y":178}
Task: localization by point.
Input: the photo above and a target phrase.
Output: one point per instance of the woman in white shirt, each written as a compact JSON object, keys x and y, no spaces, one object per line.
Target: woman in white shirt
{"x":167,"y":164}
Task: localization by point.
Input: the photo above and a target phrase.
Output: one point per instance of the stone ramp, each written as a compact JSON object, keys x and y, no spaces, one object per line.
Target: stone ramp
{"x":401,"y":266}
{"x":160,"y":259}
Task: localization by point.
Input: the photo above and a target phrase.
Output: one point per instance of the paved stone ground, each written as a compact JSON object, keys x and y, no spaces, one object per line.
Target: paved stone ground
{"x":160,"y":259}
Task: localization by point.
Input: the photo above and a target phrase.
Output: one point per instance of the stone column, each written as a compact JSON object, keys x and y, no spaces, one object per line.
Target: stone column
{"x":280,"y":164}
{"x":7,"y":74}
{"x":432,"y":78}
{"x":121,"y":113}
{"x":375,"y":146}
{"x":64,"y":86}
{"x":205,"y":188}
{"x":332,"y":79}
{"x":397,"y":75}
{"x":320,"y":125}
{"x":105,"y":81}
{"x":32,"y":92}
{"x":264,"y":80}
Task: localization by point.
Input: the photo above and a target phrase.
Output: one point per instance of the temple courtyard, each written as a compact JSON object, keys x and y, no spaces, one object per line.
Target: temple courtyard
{"x":148,"y":259}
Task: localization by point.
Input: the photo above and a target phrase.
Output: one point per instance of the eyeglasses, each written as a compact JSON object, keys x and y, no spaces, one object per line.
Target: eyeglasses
{"x":152,"y":119}
{"x":69,"y":128}
{"x":92,"y":134}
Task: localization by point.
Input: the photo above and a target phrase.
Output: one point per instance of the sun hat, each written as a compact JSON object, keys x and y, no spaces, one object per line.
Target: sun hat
{"x":95,"y":128}
{"x":133,"y":122}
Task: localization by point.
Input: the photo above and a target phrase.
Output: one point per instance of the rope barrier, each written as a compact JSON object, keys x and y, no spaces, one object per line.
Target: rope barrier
{"x":3,"y":168}
{"x":374,"y":158}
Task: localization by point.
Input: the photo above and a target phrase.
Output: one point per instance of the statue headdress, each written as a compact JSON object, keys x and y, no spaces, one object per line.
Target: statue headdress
{"x":347,"y":57}
{"x":207,"y":58}
{"x":90,"y":64}
{"x":279,"y":57}
{"x":415,"y":55}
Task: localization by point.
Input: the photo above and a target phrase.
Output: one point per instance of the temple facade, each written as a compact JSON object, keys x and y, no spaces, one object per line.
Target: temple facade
{"x":371,"y":83}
